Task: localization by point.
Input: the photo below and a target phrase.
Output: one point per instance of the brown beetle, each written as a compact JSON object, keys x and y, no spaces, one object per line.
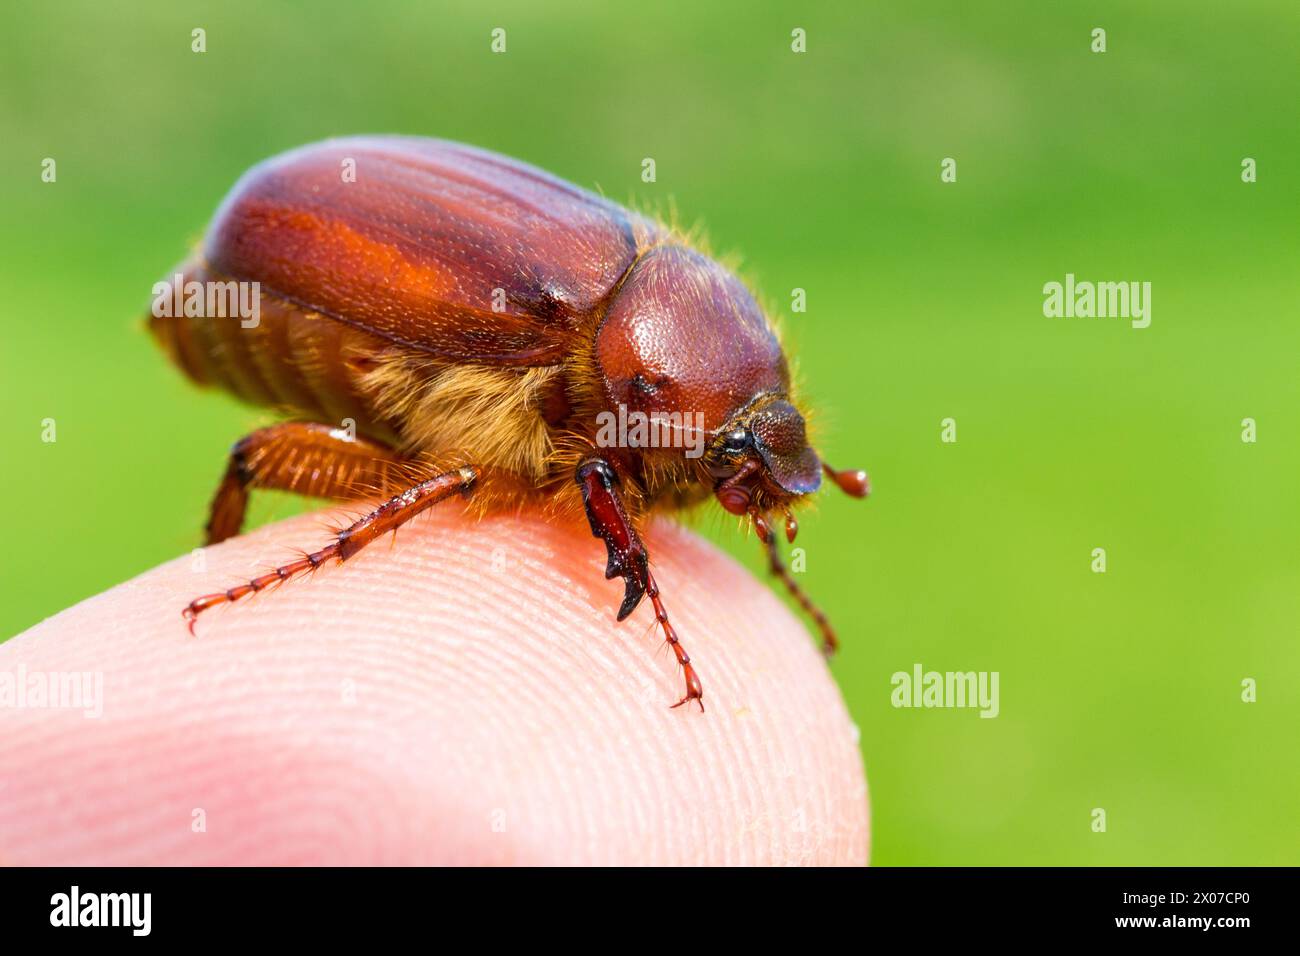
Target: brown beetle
{"x":484,"y":325}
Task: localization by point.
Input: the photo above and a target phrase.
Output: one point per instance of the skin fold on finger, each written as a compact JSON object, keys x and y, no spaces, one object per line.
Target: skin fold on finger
{"x":461,"y":695}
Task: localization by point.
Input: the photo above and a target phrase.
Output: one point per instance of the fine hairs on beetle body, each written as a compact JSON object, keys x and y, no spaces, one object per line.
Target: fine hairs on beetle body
{"x":478,"y":319}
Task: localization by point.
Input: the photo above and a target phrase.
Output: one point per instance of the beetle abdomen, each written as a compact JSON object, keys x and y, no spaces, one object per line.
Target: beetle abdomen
{"x":286,"y":359}
{"x":324,"y":371}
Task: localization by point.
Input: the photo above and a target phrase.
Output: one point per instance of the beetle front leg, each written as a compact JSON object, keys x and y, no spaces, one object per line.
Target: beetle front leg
{"x":628,"y":560}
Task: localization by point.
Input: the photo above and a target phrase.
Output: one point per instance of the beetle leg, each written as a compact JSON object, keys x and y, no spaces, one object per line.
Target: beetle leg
{"x":389,"y":516}
{"x":628,"y":559}
{"x":830,"y":643}
{"x":303,"y":457}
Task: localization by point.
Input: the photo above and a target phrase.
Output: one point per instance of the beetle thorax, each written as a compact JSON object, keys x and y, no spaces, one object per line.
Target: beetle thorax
{"x":685,"y":344}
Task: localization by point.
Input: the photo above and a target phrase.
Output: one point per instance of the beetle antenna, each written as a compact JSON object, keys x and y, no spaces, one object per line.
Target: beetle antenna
{"x":855,"y":483}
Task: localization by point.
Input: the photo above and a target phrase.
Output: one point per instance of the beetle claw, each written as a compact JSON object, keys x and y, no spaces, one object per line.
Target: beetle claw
{"x":694,"y":689}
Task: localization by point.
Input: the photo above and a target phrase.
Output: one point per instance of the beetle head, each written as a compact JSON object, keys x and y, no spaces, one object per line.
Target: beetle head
{"x":763,"y":456}
{"x":762,"y":462}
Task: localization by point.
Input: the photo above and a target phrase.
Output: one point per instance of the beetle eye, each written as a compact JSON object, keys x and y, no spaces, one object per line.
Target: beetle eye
{"x":735,"y":442}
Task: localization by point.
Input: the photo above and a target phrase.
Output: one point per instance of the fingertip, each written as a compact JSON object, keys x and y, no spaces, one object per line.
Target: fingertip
{"x":464,"y":694}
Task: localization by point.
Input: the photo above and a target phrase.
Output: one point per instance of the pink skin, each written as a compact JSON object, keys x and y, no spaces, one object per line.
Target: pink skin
{"x":427,"y":703}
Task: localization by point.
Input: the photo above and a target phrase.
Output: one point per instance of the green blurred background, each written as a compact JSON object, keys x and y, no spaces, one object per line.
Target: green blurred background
{"x":1119,"y":690}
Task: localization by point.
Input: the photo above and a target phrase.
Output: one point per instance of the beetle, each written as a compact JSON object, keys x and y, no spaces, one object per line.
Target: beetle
{"x":479,"y":320}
